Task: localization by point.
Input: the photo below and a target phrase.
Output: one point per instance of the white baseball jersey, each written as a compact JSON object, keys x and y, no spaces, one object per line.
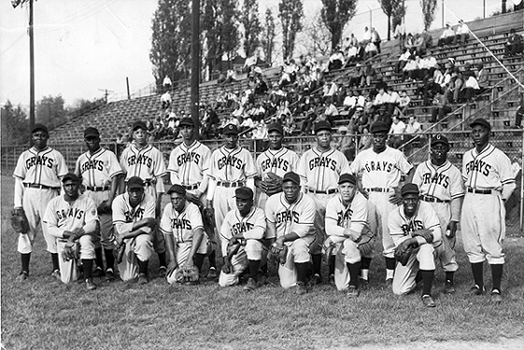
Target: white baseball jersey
{"x":188,"y":164}
{"x":231,"y":165}
{"x":124,"y":215}
{"x":339,"y":217}
{"x":63,"y":216}
{"x":489,"y":169}
{"x":443,"y":182}
{"x":322,"y":169}
{"x":97,"y":169}
{"x":278,"y":162}
{"x":297,"y":217}
{"x":382,"y":170}
{"x":41,"y":167}
{"x":181,"y":225}
{"x":146,"y":163}
{"x":425,"y":218}
{"x":253,"y":226}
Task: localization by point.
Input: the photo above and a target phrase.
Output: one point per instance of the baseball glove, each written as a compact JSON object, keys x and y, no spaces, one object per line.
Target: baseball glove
{"x":403,"y":252}
{"x":279,"y":254}
{"x":190,"y":273}
{"x":366,"y":243}
{"x":19,"y":221}
{"x":118,"y":252}
{"x":273,"y":184}
{"x":70,"y":252}
{"x":208,"y":215}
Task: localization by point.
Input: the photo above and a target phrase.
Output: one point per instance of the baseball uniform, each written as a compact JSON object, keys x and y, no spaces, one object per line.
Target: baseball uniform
{"x":283,"y":218}
{"x":61,"y":216}
{"x":253,"y":227}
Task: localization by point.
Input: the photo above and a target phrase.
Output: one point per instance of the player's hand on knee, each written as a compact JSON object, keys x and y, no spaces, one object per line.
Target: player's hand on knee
{"x":452,"y":228}
{"x":424,"y":233}
{"x":395,"y":198}
{"x":171,"y":267}
{"x":227,"y":268}
{"x":150,"y":222}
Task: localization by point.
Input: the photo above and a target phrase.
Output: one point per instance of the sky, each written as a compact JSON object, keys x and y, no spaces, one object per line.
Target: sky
{"x":84,"y":47}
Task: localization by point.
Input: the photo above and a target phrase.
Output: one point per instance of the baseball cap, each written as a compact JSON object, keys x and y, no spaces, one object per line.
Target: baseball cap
{"x":139,"y":125}
{"x":347,"y":178}
{"x":186,"y":122}
{"x":482,"y":122}
{"x":244,"y":193}
{"x":177,"y":189}
{"x":70,"y":176}
{"x":91,"y":132}
{"x":439,"y":138}
{"x":39,"y":126}
{"x":230,"y":129}
{"x":343,"y":129}
{"x":135,"y":182}
{"x":322,"y":125}
{"x":409,"y":189}
{"x":379,"y":126}
{"x":275,"y":127}
{"x":293,"y":177}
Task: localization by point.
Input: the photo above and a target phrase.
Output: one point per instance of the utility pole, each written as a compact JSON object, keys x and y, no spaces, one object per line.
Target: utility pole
{"x":106,"y":93}
{"x":195,"y":63}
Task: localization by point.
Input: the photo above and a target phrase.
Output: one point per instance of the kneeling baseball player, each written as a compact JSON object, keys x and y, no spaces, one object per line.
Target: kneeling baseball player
{"x":241,"y":233}
{"x":134,"y":222}
{"x":415,"y":230}
{"x":73,"y":221}
{"x":349,"y":237}
{"x":290,"y":216}
{"x":184,"y":235}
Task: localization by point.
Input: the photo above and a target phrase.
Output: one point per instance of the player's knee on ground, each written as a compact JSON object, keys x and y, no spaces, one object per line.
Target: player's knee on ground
{"x":426,"y":257}
{"x":106,"y":223}
{"x":159,"y":242}
{"x":253,"y":249}
{"x":351,"y":252}
{"x":227,"y":279}
{"x":87,"y":247}
{"x":404,"y":280}
{"x":299,"y":251}
{"x":143,"y":247}
{"x":287,"y":274}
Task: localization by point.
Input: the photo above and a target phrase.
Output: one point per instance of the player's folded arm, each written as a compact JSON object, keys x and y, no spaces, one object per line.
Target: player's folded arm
{"x":256,"y":232}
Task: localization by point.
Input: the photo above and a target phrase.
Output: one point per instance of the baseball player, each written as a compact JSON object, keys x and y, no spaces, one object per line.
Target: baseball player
{"x":346,"y":222}
{"x":441,"y":185}
{"x":489,"y":181}
{"x":37,"y":181}
{"x":230,"y":167}
{"x":187,"y":166}
{"x":100,"y":172}
{"x":380,"y":169}
{"x":276,"y":160}
{"x":415,"y":225}
{"x":242,"y":232}
{"x":134,"y":223}
{"x":72,"y":220}
{"x":147,"y":162}
{"x":319,"y":169}
{"x":290,"y":217}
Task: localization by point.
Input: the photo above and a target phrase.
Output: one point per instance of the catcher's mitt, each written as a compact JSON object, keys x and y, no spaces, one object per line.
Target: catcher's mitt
{"x":279,"y":254}
{"x":70,"y":252}
{"x":19,"y":221}
{"x":273,"y":184}
{"x":208,"y":216}
{"x":403,"y":252}
{"x":187,"y":274}
{"x":366,"y":243}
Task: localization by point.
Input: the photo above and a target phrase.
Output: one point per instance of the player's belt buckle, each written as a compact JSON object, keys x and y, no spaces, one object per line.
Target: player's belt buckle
{"x":331,"y":191}
{"x":472,"y":190}
{"x":377,"y":189}
{"x":191,"y":187}
{"x":97,"y":188}
{"x":230,"y":184}
{"x":432,"y":199}
{"x":40,"y":186}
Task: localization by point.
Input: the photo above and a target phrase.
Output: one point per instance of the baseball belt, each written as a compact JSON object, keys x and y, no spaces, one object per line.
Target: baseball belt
{"x":191,"y":187}
{"x":97,"y":188}
{"x":333,"y":190}
{"x":40,"y":186}
{"x":377,"y":189}
{"x":230,"y":184}
{"x":432,"y":199}
{"x":472,"y":190}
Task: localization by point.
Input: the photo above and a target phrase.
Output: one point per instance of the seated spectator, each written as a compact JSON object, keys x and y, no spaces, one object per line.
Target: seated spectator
{"x":447,"y":36}
{"x":370,"y":74}
{"x":357,"y":79}
{"x":245,"y":124}
{"x":396,"y":132}
{"x":307,"y":123}
{"x":427,"y":65}
{"x":419,"y":45}
{"x":350,"y":102}
{"x":167,"y":83}
{"x":336,"y":60}
{"x":428,"y":39}
{"x":402,"y":61}
{"x":375,"y":38}
{"x":165,"y":100}
{"x":282,"y":111}
{"x":412,"y":138}
{"x":456,"y":88}
{"x":260,"y":86}
{"x":330,"y":92}
{"x":331,"y":111}
{"x":514,"y":45}
{"x":380,"y":101}
{"x":230,"y":76}
{"x":413,"y":126}
{"x":471,"y":88}
{"x":260,"y":131}
{"x":403,"y":103}
{"x":210,"y":122}
{"x":440,"y":109}
{"x":366,"y":37}
{"x":462,"y":35}
{"x":399,"y":32}
{"x":409,"y":43}
{"x":360,"y":121}
{"x":482,"y":77}
{"x":393,"y":101}
{"x":346,"y":144}
{"x":520,"y":113}
{"x":411,"y":69}
{"x":371,"y":50}
{"x":289,"y":125}
{"x":352,"y":54}
{"x":250,"y":62}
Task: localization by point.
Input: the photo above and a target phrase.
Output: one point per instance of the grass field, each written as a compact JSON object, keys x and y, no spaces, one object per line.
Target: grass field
{"x":43,"y":313}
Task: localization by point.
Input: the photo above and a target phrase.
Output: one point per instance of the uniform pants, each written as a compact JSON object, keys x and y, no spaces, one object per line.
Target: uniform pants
{"x":447,"y":255}
{"x":253,"y":250}
{"x":106,"y":220}
{"x":182,"y":254}
{"x":320,"y":220}
{"x":68,"y":269}
{"x":139,"y":247}
{"x":346,"y":252}
{"x":158,"y":237}
{"x":298,"y":252}
{"x":223,"y":202}
{"x":379,"y":209}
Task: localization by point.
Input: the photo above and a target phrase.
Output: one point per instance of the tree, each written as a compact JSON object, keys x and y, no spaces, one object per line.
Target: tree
{"x":394,"y":9}
{"x":290,"y":13}
{"x":268,"y":36}
{"x":428,"y":12}
{"x":335,"y":14}
{"x":252,"y":26}
{"x":171,"y":40}
{"x":50,"y":111}
{"x":318,"y":40}
{"x":15,"y":125}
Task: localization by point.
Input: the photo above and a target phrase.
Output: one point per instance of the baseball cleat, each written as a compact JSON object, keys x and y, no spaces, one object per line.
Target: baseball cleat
{"x":212,"y":273}
{"x":476,"y":290}
{"x":162,"y":271}
{"x":449,"y":288}
{"x":56,"y":274}
{"x":142,"y":279}
{"x":389,"y":281}
{"x":332,"y":279}
{"x":90,"y":285}
{"x":301,"y":288}
{"x":22,"y":276}
{"x":428,"y":301}
{"x":98,"y":272}
{"x":315,"y":279}
{"x":353,"y":292}
{"x":110,"y":276}
{"x":251,"y":285}
{"x":364,"y":283}
{"x":496,"y":297}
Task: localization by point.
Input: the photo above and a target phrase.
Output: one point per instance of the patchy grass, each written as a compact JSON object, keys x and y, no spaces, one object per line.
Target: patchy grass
{"x":42,"y":313}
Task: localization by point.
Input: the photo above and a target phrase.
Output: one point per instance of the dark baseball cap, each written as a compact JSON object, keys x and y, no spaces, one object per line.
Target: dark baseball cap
{"x":293,"y":177}
{"x":139,"y":125}
{"x":347,"y":178}
{"x":186,"y":122}
{"x":482,"y":122}
{"x":409,"y":189}
{"x":70,"y":176}
{"x":177,"y":189}
{"x":379,"y":127}
{"x":91,"y":132}
{"x":244,"y":193}
{"x":39,"y":126}
{"x":275,"y":127}
{"x":135,"y":182}
{"x":230,"y":129}
{"x":322,"y":125}
{"x":439,"y":138}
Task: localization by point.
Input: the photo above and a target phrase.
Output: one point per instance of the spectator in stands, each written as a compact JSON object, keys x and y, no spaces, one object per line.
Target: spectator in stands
{"x":393,"y":101}
{"x":375,"y":38}
{"x":260,"y":86}
{"x":210,"y":122}
{"x":250,"y":62}
{"x":482,"y":77}
{"x":396,"y":132}
{"x":307,"y":124}
{"x":412,"y":138}
{"x":336,"y":60}
{"x":440,"y":109}
{"x":520,"y":113}
{"x":413,"y":126}
{"x":345,"y":144}
{"x":428,"y":39}
{"x":419,"y":46}
{"x":471,"y":88}
{"x":514,"y":45}
{"x":331,"y":111}
{"x":402,"y":61}
{"x":381,"y":100}
{"x":358,"y":78}
{"x":370,"y":73}
{"x":400,"y":33}
{"x":462,"y":35}
{"x":366,"y":37}
{"x":371,"y":50}
{"x":165,"y":100}
{"x":411,"y":69}
{"x":447,"y":36}
{"x":330,"y":92}
{"x":352,"y":55}
{"x":427,"y":90}
{"x":409,"y":43}
{"x":403,"y":103}
{"x":282,"y":111}
{"x":427,"y":65}
{"x":230,"y":76}
{"x":289,"y":125}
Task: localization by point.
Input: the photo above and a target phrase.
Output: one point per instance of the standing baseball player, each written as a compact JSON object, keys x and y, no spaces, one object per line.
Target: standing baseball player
{"x":415,"y":230}
{"x":183,"y":229}
{"x":441,"y":185}
{"x":134,"y":223}
{"x":242,"y":233}
{"x":37,"y":181}
{"x":72,"y":220}
{"x":100,"y":173}
{"x":290,"y":217}
{"x":187,"y":166}
{"x":273,"y":164}
{"x":380,"y":169}
{"x":230,"y":167}
{"x":319,"y":169}
{"x":147,"y":162}
{"x":348,"y":231}
{"x":489,"y":181}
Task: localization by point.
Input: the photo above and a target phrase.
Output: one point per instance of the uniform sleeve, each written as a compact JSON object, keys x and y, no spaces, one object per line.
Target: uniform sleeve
{"x":301,"y":168}
{"x":343,"y":163}
{"x":61,"y":166}
{"x":91,"y":216}
{"x":20,"y":170}
{"x":195,"y":217}
{"x":212,"y":164}
{"x":456,"y":189}
{"x":206,"y":159}
{"x":52,"y":221}
{"x":150,"y":208}
{"x":307,"y":217}
{"x":432,"y":222}
{"x":270,"y":217}
{"x":114,"y":166}
{"x":506,"y":170}
{"x":359,"y":218}
{"x":417,"y":176}
{"x":160,"y":165}
{"x":173,"y":168}
{"x":295,"y":159}
{"x":250,"y":169}
{"x":225,"y":233}
{"x":259,"y":226}
{"x":119,"y":219}
{"x":165,"y":221}
{"x":123,"y":159}
{"x":332,"y":229}
{"x":395,"y":223}
{"x":402,"y":163}
{"x":258,"y":164}
{"x":77,"y":167}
